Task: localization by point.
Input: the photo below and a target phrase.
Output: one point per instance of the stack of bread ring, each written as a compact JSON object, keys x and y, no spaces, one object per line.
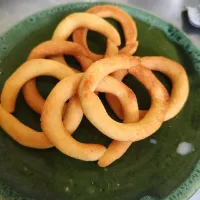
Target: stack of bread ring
{"x":100,"y":73}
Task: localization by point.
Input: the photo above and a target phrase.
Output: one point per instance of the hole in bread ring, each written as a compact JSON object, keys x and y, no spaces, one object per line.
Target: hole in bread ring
{"x":127,"y":23}
{"x":51,"y":118}
{"x":115,"y":130}
{"x":93,"y":22}
{"x":47,"y":49}
{"x":174,"y":71}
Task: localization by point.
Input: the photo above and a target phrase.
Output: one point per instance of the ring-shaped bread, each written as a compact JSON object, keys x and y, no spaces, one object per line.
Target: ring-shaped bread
{"x":127,"y":23}
{"x":174,"y":71}
{"x":17,"y":130}
{"x":149,"y":124}
{"x":78,"y":20}
{"x":27,"y":71}
{"x":45,"y":50}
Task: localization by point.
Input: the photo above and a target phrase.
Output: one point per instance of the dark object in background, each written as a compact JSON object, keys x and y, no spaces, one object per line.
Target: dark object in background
{"x":194,"y":15}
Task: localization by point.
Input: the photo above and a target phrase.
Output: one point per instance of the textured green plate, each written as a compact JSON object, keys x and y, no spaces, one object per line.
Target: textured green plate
{"x":146,"y":171}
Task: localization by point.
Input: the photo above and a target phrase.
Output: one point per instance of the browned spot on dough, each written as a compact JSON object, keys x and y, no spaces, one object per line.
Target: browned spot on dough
{"x":88,"y":83}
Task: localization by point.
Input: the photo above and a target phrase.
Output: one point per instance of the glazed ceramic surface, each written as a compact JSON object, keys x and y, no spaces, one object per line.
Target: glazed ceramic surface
{"x":146,"y":171}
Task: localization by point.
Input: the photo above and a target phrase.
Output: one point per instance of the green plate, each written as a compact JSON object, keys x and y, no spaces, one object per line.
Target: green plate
{"x":146,"y":171}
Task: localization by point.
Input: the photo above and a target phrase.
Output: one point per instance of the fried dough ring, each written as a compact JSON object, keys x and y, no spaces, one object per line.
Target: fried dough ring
{"x":76,"y":20}
{"x":119,"y":131}
{"x":180,"y":85}
{"x":51,"y":118}
{"x":27,"y":71}
{"x":17,"y":130}
{"x":127,"y":23}
{"x":47,"y":49}
{"x":69,"y":24}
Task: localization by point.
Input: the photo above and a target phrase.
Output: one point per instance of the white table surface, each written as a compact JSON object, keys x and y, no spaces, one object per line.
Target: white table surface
{"x":19,"y":9}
